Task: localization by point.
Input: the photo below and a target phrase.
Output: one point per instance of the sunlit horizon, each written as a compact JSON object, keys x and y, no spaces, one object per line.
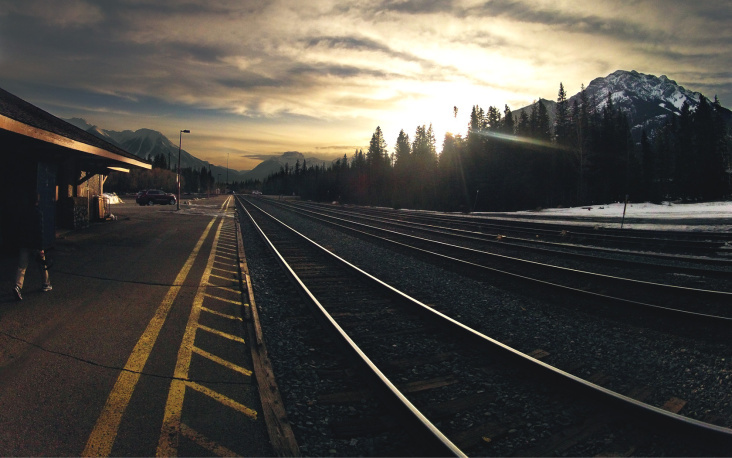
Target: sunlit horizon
{"x":255,"y":79}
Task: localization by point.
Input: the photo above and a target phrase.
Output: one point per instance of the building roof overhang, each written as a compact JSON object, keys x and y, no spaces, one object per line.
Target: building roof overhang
{"x":25,"y":127}
{"x":103,"y":156}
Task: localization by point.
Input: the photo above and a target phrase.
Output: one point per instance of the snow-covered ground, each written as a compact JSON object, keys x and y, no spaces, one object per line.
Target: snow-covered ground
{"x":708,"y":216}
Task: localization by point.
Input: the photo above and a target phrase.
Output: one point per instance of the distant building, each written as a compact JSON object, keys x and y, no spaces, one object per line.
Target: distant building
{"x":66,"y":166}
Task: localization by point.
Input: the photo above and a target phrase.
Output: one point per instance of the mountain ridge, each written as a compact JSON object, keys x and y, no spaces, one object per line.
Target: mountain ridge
{"x":148,"y":143}
{"x":647,"y":100}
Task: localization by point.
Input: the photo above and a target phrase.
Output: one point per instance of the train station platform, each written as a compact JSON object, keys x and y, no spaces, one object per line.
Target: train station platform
{"x":147,"y":344}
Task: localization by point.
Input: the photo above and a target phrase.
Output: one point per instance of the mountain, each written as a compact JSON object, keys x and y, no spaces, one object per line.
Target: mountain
{"x":289,"y":158}
{"x":147,"y":143}
{"x":647,"y":100}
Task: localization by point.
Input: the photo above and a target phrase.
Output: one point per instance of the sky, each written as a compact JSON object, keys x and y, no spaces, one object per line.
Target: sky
{"x":252,"y":79}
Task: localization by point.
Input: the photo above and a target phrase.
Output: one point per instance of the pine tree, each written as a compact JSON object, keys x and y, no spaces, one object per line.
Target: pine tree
{"x":376,"y":157}
{"x":402,"y":151}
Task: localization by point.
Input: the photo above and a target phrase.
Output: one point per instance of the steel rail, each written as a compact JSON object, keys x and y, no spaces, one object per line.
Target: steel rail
{"x":554,"y":233}
{"x":531,"y":246}
{"x":551,"y":228}
{"x":689,"y":240}
{"x":696,"y":429}
{"x":441,"y":441}
{"x":726,"y":321}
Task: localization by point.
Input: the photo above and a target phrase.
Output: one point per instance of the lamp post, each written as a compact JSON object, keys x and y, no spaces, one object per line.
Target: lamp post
{"x":218,"y":180}
{"x":180,"y":140}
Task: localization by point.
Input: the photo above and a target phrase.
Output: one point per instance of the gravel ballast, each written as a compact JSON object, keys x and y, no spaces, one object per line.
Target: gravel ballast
{"x":581,"y":342}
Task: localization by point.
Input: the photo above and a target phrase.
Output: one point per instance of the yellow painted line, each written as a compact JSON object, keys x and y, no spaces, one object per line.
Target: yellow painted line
{"x":224,"y":288}
{"x":203,"y":441}
{"x":222,"y":362}
{"x":225,"y":335}
{"x":171,"y":429}
{"x":169,"y":434}
{"x":222,"y":315}
{"x":224,"y":270}
{"x":223,"y":400}
{"x":221,"y":299}
{"x":221,"y":277}
{"x":227,"y":257}
{"x":105,"y":430}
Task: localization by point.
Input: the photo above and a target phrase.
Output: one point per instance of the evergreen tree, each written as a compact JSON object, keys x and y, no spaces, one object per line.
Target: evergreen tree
{"x":424,"y":164}
{"x":376,"y":157}
{"x":402,"y":151}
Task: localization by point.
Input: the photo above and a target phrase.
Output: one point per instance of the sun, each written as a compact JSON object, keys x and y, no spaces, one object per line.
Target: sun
{"x":446,"y":105}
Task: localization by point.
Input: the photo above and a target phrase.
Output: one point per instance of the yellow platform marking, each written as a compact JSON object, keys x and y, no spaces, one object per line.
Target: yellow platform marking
{"x":222,"y":315}
{"x":226,"y":288}
{"x":105,"y":430}
{"x":221,"y":277}
{"x":223,"y":400}
{"x":222,"y":299}
{"x":225,"y":335}
{"x":224,"y":270}
{"x":203,"y":441}
{"x":172,"y":419}
{"x":222,"y":361}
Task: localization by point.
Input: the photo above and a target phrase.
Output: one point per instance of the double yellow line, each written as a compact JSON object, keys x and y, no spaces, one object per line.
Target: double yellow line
{"x":103,"y":435}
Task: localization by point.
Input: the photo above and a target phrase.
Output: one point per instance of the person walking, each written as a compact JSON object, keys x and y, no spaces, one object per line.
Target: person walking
{"x":31,"y":243}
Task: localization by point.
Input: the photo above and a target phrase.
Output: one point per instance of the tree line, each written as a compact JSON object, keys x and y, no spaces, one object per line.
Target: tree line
{"x":511,"y":162}
{"x":161,"y":177}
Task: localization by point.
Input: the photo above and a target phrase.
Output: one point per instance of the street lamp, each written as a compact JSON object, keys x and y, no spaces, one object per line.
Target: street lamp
{"x":180,"y":140}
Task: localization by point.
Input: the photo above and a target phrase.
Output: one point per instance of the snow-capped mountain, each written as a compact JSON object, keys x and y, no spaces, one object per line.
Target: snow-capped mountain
{"x":647,"y":100}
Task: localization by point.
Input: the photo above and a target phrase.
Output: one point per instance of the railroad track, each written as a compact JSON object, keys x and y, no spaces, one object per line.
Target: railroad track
{"x":709,"y":309}
{"x":453,"y":374}
{"x":713,"y":260}
{"x":706,"y":242}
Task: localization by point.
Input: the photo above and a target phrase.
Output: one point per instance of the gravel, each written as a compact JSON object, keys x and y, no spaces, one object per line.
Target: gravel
{"x":583,"y":343}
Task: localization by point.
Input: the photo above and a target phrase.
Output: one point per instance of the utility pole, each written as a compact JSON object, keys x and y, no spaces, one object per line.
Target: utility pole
{"x":180,"y":140}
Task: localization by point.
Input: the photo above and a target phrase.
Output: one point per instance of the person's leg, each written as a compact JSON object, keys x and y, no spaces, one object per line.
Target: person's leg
{"x":20,"y":273}
{"x":44,"y":273}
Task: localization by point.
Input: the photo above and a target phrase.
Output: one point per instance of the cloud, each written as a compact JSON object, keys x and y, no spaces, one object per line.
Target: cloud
{"x":329,"y":72}
{"x":67,"y":14}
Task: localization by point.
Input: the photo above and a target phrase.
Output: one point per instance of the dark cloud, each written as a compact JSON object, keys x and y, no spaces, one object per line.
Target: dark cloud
{"x":339,"y":71}
{"x":248,"y":80}
{"x":571,"y":21}
{"x":335,"y":147}
{"x":362,"y":45}
{"x":416,"y":6}
{"x":261,"y":157}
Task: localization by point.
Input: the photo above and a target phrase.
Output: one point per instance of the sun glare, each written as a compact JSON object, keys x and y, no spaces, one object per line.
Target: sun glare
{"x":445,"y":105}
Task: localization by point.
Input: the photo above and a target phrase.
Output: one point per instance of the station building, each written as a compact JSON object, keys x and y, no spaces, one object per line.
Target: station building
{"x":63,"y":165}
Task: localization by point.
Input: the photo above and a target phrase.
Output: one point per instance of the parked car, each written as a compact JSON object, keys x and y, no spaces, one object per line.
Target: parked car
{"x":155,"y":196}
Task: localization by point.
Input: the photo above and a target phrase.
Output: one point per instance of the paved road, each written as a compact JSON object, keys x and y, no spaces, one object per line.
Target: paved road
{"x":139,"y":348}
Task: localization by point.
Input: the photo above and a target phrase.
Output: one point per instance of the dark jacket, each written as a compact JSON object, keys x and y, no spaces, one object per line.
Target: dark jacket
{"x":31,"y":229}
